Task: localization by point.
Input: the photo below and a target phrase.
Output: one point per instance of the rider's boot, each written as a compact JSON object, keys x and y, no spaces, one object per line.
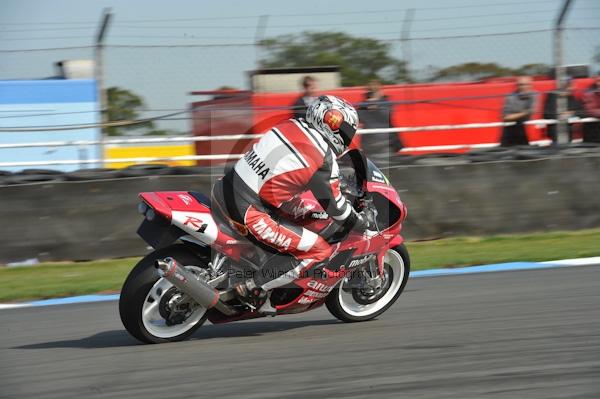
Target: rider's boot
{"x":254,"y":296}
{"x":268,"y":309}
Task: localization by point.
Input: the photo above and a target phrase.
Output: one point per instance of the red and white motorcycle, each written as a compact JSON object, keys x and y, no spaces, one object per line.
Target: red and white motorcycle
{"x":198,"y":257}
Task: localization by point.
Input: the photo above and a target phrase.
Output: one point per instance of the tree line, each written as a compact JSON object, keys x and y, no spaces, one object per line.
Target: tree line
{"x":359,"y":59}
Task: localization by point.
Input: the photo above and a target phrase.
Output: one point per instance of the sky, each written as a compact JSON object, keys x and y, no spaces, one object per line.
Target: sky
{"x":201,"y":45}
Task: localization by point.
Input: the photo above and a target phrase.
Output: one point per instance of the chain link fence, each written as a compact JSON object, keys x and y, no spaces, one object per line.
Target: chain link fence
{"x":164,"y":75}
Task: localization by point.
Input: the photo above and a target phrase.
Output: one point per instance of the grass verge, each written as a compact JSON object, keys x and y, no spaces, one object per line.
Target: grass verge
{"x":51,"y":280}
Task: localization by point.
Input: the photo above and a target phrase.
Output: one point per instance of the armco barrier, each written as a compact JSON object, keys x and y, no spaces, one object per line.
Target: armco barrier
{"x":78,"y":220}
{"x":74,"y":220}
{"x":499,"y":197}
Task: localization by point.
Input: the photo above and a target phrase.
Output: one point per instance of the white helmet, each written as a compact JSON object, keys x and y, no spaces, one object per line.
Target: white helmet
{"x":335,"y":119}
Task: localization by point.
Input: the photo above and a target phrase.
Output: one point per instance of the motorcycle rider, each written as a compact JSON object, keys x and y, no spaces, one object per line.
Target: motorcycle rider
{"x":294,"y":156}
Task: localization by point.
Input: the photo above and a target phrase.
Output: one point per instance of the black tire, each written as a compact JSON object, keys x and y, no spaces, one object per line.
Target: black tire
{"x":190,"y":170}
{"x":25,"y":179}
{"x":40,"y":172}
{"x":335,"y":307}
{"x":141,"y":170}
{"x":92,"y":174}
{"x":138,"y":284}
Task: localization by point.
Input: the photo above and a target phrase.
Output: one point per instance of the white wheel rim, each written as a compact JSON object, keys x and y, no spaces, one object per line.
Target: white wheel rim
{"x":353,"y":308}
{"x":154,"y":323}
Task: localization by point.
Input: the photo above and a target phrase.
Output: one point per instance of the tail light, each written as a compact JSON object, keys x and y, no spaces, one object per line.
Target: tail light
{"x":143,"y":208}
{"x":150,"y":215}
{"x":147,"y":211}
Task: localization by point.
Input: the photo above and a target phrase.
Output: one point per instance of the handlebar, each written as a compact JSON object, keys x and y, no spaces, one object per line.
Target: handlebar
{"x":334,"y":233}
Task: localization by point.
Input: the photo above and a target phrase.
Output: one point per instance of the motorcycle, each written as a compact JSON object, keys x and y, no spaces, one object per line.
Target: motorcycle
{"x":199,"y":255}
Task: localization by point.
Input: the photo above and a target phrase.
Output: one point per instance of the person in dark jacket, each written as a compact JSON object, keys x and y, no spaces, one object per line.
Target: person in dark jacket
{"x":518,"y":107}
{"x":309,"y":84}
{"x":591,"y":106}
{"x":375,"y":112}
{"x":574,"y":108}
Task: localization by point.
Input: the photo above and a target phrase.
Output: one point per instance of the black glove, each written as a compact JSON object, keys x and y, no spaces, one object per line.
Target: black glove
{"x":366,"y":220}
{"x":362,"y":222}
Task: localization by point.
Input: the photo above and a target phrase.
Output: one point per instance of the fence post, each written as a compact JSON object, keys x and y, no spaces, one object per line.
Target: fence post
{"x":409,"y":15}
{"x":99,"y":75}
{"x":259,"y":36}
{"x":562,"y":129}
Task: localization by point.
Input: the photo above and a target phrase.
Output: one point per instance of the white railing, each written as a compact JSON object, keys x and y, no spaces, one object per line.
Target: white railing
{"x":140,"y":140}
{"x":125,"y":160}
{"x":189,"y":139}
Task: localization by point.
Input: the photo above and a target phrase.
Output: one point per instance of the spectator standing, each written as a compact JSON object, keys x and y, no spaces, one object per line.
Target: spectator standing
{"x":574,"y":108}
{"x":375,"y":113}
{"x":309,"y":84}
{"x":518,"y":107}
{"x":591,"y":106}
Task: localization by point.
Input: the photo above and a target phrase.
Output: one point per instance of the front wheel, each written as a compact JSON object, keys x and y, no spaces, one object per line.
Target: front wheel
{"x":352,"y":304}
{"x":151,"y":308}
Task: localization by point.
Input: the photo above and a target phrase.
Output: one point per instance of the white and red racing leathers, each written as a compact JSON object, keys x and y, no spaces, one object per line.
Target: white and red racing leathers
{"x":289,"y":159}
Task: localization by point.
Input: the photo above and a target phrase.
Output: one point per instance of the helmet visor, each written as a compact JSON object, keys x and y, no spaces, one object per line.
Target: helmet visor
{"x":347,"y":132}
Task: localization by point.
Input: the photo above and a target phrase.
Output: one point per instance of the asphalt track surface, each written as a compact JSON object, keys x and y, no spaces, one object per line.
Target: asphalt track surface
{"x":527,"y":334}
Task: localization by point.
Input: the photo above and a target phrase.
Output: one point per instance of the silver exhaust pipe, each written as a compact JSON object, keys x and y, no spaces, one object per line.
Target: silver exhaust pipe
{"x":187,"y":282}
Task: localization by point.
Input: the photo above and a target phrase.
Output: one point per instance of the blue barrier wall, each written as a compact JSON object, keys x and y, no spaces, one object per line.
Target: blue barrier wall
{"x":25,"y":103}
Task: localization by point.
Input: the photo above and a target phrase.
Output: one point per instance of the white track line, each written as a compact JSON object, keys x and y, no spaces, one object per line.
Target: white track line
{"x":576,"y":262}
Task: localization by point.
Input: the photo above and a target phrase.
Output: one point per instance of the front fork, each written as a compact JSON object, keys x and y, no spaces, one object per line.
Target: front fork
{"x":380,"y":266}
{"x":376,"y":273}
{"x":371,"y":279}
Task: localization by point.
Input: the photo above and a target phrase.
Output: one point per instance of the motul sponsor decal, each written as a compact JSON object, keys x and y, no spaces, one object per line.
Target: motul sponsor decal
{"x":359,"y":261}
{"x":320,"y":215}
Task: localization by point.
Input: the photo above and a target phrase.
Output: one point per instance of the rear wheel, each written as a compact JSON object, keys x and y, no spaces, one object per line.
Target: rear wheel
{"x":151,"y":308}
{"x":352,"y":304}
